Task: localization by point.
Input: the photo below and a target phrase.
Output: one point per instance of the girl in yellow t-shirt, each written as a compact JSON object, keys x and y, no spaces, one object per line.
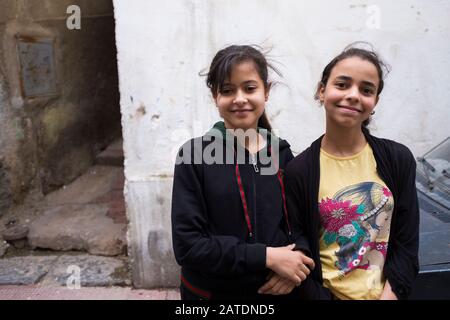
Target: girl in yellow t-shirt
{"x":353,"y":195}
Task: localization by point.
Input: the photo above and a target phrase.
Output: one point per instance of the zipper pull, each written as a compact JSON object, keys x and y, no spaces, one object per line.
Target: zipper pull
{"x":255,"y":164}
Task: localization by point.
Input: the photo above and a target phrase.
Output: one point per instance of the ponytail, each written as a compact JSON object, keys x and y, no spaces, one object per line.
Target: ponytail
{"x":264,"y":123}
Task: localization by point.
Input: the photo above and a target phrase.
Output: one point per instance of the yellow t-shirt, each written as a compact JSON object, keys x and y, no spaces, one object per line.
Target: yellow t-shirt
{"x":355,"y":213}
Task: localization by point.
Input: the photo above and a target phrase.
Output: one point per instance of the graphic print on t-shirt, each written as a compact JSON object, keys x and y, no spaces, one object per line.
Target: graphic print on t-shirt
{"x":357,"y":219}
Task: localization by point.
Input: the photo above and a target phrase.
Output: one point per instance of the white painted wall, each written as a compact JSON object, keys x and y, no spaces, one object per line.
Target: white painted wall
{"x":163,"y":45}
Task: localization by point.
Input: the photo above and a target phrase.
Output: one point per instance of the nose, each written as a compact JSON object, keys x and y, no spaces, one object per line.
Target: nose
{"x":352,"y":94}
{"x":240,"y":98}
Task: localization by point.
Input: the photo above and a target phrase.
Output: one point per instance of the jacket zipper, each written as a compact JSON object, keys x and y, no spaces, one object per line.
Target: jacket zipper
{"x":254,"y":163}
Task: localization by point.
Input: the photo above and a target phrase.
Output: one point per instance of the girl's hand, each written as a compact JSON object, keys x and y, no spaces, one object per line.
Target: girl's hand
{"x":277,"y":285}
{"x":388,"y":294}
{"x":289,"y":264}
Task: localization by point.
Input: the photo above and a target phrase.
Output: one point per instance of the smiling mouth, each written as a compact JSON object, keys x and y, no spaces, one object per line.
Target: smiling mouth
{"x":350,"y":108}
{"x":241,"y":110}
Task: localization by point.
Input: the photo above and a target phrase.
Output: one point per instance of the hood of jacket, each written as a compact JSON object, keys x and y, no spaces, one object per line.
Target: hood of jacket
{"x":227,"y":135}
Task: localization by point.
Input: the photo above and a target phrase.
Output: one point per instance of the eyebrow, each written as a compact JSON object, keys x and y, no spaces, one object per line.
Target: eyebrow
{"x":346,"y":78}
{"x":245,"y":82}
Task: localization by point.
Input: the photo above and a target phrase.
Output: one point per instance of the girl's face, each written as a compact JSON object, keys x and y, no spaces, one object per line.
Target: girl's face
{"x":242,"y":99}
{"x":350,"y":94}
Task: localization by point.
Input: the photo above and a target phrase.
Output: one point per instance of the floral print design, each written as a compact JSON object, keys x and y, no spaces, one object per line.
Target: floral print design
{"x":350,"y":220}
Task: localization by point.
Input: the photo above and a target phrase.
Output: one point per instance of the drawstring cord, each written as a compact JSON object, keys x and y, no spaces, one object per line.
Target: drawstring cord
{"x":244,"y":200}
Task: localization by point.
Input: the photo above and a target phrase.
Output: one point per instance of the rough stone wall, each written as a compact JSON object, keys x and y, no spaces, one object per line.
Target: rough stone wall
{"x":5,"y":188}
{"x":48,"y":141}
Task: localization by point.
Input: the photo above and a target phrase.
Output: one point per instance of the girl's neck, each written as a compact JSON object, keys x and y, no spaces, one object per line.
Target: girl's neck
{"x":343,"y":142}
{"x":250,"y":139}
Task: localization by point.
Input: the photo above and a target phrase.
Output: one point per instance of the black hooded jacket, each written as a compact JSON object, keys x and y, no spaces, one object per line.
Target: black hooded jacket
{"x":209,"y":230}
{"x":397,"y":168}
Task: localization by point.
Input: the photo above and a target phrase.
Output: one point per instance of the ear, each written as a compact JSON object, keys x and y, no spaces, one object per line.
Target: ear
{"x":376,"y":100}
{"x":321,"y":93}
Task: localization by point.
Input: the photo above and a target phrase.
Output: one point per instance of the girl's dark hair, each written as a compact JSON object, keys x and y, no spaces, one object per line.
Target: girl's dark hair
{"x":223,"y":63}
{"x":365,"y":54}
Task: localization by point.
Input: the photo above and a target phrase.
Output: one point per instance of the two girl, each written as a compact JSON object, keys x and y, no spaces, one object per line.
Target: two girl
{"x":349,"y":202}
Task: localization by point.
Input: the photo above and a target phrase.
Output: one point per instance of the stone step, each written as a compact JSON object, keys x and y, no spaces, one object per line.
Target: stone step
{"x":65,"y":270}
{"x":84,"y":227}
{"x":112,"y":155}
{"x":86,"y":215}
{"x":97,"y":182}
{"x":24,"y":270}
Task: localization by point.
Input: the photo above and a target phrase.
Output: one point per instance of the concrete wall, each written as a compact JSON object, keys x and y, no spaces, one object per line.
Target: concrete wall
{"x":47,"y":141}
{"x":162,"y":46}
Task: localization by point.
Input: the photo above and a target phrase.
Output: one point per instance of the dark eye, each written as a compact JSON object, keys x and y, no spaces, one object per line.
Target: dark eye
{"x":251,"y":88}
{"x":226,"y":91}
{"x":341,"y":85}
{"x":368,"y":91}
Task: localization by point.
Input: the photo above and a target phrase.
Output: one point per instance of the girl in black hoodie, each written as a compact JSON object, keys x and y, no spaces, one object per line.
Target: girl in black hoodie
{"x":230,"y":227}
{"x":353,"y":195}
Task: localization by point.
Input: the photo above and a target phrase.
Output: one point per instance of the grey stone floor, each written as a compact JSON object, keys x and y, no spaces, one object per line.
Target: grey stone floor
{"x":72,"y":276}
{"x":65,"y":270}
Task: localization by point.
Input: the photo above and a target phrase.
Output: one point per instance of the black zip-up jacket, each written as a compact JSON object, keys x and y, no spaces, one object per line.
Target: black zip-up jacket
{"x":397,"y":168}
{"x":209,"y":231}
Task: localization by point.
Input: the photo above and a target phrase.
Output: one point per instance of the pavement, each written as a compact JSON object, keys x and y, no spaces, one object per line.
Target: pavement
{"x":38,"y":292}
{"x":72,"y":276}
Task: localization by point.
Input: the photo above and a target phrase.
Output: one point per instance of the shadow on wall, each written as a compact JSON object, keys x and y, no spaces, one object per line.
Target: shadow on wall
{"x":63,"y":101}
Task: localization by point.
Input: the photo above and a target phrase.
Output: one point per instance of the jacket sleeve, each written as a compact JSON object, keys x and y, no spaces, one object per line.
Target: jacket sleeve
{"x":402,"y":263}
{"x":193,"y":243}
{"x":296,"y":195}
{"x":295,"y":203}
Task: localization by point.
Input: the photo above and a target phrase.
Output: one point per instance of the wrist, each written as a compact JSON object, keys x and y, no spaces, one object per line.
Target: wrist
{"x":269,"y":258}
